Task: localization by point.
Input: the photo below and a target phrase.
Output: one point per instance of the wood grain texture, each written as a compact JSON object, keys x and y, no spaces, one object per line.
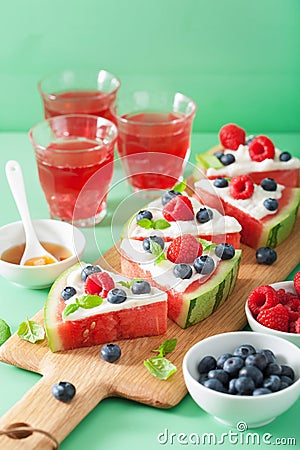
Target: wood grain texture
{"x":95,"y":379}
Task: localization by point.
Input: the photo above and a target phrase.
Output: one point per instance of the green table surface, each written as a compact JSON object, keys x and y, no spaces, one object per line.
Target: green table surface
{"x":118,"y":423}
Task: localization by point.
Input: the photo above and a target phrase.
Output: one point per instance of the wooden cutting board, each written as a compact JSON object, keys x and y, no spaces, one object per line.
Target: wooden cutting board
{"x":95,"y":379}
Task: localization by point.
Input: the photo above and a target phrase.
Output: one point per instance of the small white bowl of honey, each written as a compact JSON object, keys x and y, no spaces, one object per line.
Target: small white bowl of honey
{"x":64,"y":241}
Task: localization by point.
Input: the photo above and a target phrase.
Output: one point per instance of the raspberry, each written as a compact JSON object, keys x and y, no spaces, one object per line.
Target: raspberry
{"x":241,"y":187}
{"x":99,"y":284}
{"x":261,"y":148}
{"x":283,"y":296}
{"x":297,"y":283}
{"x":276,"y":318}
{"x":231,"y":136}
{"x":293,"y":315}
{"x":261,"y":298}
{"x":179,"y":208}
{"x":294,"y":304}
{"x":292,"y":327}
{"x":184,"y":249}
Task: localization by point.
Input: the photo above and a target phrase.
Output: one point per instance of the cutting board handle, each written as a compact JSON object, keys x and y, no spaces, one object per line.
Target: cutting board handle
{"x":49,"y":419}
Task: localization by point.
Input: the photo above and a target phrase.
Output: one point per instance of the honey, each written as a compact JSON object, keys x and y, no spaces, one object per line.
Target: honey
{"x":14,"y":254}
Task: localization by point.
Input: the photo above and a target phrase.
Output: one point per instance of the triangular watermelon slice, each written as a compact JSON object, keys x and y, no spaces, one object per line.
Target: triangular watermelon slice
{"x":189,"y":300}
{"x":138,"y":316}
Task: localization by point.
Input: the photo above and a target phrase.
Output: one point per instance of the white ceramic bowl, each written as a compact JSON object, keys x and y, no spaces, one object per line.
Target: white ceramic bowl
{"x":256,"y":326}
{"x":47,"y":230}
{"x":231,"y":409}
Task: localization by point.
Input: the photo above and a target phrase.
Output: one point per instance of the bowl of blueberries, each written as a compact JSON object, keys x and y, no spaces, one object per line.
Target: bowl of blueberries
{"x":243,"y":376}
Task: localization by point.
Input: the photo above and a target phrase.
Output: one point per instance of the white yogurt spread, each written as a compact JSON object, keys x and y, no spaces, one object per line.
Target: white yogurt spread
{"x":220,"y":224}
{"x":132,"y":301}
{"x":253,"y":206}
{"x":243,"y":163}
{"x":162,"y":273}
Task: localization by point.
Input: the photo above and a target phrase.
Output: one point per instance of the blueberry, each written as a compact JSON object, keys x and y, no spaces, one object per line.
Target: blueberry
{"x":285,"y":156}
{"x":157,"y":239}
{"x":88,"y":270}
{"x":68,"y":292}
{"x":218,"y":154}
{"x":220,"y":182}
{"x":258,"y":360}
{"x":231,"y":386}
{"x":244,"y":350}
{"x":272,"y":382}
{"x":168,"y":195}
{"x":287,"y":381}
{"x":227,"y":159}
{"x":204,"y":264}
{"x":233,"y":365}
{"x":261,"y":391}
{"x":110,"y":352}
{"x":204,"y":215}
{"x":244,"y":385}
{"x":249,"y":139}
{"x":272,"y":369}
{"x":266,"y":255}
{"x":203,"y":377}
{"x":225,"y":251}
{"x":252,"y":372}
{"x":214,"y":384}
{"x":206,"y":364}
{"x":218,"y":374}
{"x":63,"y":391}
{"x":144,"y":214}
{"x":183,"y":271}
{"x":222,"y":359}
{"x":268,"y":184}
{"x":116,"y":296}
{"x":271,"y":204}
{"x":141,"y":287}
{"x":287,"y":371}
{"x":269,"y":355}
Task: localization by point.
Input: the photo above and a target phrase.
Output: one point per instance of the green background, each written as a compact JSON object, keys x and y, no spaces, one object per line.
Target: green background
{"x":239,"y":60}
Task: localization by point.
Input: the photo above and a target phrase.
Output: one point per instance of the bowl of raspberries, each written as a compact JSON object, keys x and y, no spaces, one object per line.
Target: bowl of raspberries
{"x":243,"y":377}
{"x":275,"y":309}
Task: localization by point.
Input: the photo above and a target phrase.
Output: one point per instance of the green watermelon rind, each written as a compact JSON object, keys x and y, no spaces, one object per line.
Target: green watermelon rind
{"x":212,"y":294}
{"x":279,"y":228}
{"x":53,"y":338}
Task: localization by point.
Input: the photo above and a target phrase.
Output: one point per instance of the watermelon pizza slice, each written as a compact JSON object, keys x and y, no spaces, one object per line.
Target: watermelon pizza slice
{"x":87,"y":306}
{"x":197,"y":275}
{"x":257,"y":156}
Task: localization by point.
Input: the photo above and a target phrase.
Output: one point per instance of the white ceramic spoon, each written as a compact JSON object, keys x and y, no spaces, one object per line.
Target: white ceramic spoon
{"x":33,"y":248}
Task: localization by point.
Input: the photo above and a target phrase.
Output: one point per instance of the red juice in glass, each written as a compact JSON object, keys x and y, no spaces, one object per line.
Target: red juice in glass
{"x":76,"y":166}
{"x":79,"y":92}
{"x":154,"y":145}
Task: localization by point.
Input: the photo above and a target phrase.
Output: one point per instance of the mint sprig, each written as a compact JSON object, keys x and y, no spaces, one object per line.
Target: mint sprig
{"x":160,"y":224}
{"x":4,"y":331}
{"x":85,"y":302}
{"x":128,"y":284}
{"x":157,"y":251}
{"x":206,"y":245}
{"x":159,"y":366}
{"x":31,"y":331}
{"x":179,"y":187}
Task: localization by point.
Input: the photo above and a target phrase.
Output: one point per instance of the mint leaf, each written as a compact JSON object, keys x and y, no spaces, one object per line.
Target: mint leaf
{"x":160,"y":367}
{"x":128,"y":284}
{"x":157,"y":251}
{"x":70,"y":309}
{"x":180,"y":187}
{"x":89,"y":301}
{"x":207,"y":245}
{"x":161,"y":224}
{"x":145,"y":223}
{"x":31,"y":331}
{"x":208,"y":160}
{"x":166,"y":347}
{"x":4,"y":331}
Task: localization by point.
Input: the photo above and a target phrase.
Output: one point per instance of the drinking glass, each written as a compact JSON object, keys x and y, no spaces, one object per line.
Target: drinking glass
{"x":74,"y":155}
{"x":154,"y":131}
